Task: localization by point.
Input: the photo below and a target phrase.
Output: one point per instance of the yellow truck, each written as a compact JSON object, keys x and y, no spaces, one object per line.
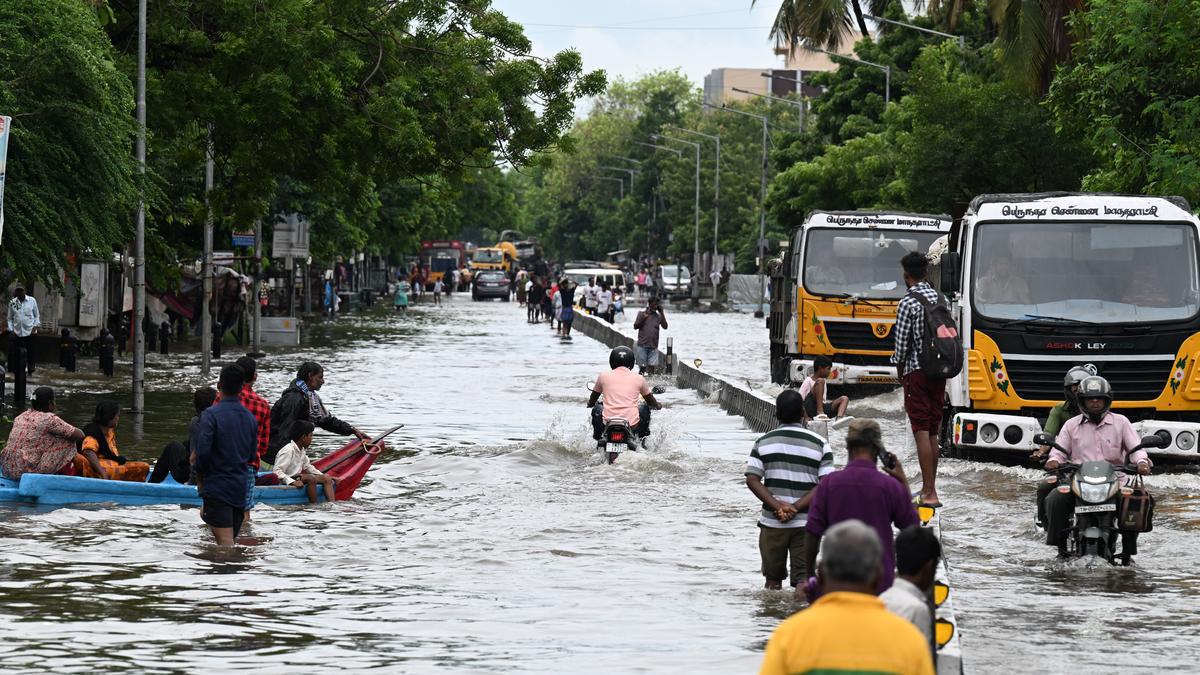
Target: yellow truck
{"x":1043,"y":282}
{"x":500,"y":257}
{"x":835,"y":292}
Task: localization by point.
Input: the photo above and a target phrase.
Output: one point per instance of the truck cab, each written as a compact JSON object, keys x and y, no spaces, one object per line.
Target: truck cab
{"x":1043,"y":282}
{"x":836,"y":290}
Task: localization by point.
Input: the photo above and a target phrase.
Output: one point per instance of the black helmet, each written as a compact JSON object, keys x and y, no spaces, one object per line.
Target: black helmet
{"x":620,"y":356}
{"x":1095,"y":387}
{"x":1074,"y":377}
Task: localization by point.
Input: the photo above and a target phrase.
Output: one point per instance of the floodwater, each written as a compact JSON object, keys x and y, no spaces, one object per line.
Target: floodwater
{"x":491,"y":538}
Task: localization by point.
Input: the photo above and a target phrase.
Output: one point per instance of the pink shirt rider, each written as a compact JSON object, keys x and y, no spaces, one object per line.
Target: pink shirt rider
{"x":621,"y":388}
{"x":1107,"y":441}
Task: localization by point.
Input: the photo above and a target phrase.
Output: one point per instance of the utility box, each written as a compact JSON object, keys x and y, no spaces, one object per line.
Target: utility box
{"x":279,"y":331}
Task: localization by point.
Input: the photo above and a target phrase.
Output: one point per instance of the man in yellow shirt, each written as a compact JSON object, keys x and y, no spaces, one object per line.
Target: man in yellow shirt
{"x":848,"y":630}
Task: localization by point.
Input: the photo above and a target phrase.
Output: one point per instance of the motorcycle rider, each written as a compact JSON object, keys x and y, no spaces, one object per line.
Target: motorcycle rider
{"x":1059,"y":415}
{"x":1097,"y":434}
{"x":621,"y":388}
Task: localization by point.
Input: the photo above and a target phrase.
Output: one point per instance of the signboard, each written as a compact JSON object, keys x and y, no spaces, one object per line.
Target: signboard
{"x":222,"y":257}
{"x":290,"y":237}
{"x":5,"y":125}
{"x":91,"y":294}
{"x":243,"y":240}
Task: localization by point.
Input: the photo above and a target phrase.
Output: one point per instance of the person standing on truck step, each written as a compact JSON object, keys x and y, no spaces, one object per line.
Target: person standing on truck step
{"x":924,"y":395}
{"x":647,"y":324}
{"x":812,"y":391}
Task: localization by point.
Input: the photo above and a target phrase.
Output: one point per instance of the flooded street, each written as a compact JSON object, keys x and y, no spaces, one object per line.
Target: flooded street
{"x":490,"y":537}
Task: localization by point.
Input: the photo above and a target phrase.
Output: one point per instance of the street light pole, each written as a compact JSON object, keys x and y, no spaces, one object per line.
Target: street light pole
{"x":139,"y":237}
{"x":776,"y":98}
{"x":957,"y":38}
{"x":696,"y":251}
{"x":716,"y":196}
{"x":762,"y":204}
{"x":887,"y":70}
{"x":618,"y":180}
{"x":799,"y":91}
{"x":206,"y":266}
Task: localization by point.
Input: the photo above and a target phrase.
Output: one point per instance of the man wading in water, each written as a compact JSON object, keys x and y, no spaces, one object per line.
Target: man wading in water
{"x":224,"y":445}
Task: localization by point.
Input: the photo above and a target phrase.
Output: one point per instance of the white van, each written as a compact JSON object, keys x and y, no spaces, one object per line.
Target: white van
{"x":674,"y":280}
{"x":615,"y":278}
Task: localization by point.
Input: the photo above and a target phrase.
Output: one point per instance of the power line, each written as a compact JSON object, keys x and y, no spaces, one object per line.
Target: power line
{"x":657,"y":28}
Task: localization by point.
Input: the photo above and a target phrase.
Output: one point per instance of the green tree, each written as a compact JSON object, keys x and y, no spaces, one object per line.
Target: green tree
{"x":823,"y":22}
{"x":1131,"y":93}
{"x":71,"y":184}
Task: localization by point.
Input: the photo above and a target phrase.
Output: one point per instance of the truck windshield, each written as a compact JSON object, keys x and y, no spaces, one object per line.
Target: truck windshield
{"x":670,"y":272}
{"x":864,"y":263}
{"x":488,"y":255}
{"x":1086,"y":272}
{"x":443,"y":262}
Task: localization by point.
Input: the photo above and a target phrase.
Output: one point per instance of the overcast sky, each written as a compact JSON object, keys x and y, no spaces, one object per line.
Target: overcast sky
{"x":630,"y":38}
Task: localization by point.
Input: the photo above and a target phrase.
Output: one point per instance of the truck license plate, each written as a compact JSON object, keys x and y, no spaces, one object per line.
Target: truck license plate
{"x":618,"y":447}
{"x":877,"y":379}
{"x":1098,"y":508}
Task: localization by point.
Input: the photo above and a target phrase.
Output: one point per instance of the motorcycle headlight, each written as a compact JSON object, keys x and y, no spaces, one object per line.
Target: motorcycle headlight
{"x":1094,"y":493}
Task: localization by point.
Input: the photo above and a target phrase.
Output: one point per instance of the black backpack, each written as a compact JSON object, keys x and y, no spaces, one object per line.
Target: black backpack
{"x":941,"y":344}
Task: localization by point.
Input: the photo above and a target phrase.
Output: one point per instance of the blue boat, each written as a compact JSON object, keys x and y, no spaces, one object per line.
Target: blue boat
{"x":346,"y":466}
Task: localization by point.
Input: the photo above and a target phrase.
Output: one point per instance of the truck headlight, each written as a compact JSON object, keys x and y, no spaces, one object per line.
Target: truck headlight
{"x":989,"y":432}
{"x":1186,"y":440}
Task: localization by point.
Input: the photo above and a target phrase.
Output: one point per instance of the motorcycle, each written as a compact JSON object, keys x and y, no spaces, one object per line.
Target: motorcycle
{"x":619,"y":435}
{"x":1097,"y":486}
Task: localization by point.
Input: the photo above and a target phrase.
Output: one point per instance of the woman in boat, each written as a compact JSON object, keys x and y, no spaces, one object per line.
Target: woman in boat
{"x":300,"y":401}
{"x":40,"y":442}
{"x":98,"y":456}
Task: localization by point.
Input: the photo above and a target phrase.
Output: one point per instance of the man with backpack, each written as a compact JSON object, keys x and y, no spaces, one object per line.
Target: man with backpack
{"x":928,"y":351}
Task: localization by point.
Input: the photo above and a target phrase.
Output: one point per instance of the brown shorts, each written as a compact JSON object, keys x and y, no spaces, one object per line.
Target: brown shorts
{"x":775,"y":544}
{"x":924,"y":399}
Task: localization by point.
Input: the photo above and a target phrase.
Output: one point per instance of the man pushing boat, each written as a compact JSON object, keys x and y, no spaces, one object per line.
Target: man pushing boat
{"x":300,"y":401}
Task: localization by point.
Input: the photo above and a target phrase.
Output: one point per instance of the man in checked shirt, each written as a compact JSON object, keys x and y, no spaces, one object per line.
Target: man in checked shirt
{"x":924,"y":396}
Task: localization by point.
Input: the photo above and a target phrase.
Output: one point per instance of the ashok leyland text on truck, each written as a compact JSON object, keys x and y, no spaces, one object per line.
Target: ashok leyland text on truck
{"x":836,"y":291}
{"x":1043,"y":282}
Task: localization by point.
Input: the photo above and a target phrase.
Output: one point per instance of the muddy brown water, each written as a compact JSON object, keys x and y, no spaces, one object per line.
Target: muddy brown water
{"x":491,"y":538}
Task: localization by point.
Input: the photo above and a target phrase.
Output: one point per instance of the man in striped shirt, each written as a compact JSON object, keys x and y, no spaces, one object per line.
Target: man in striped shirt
{"x":782,"y":471}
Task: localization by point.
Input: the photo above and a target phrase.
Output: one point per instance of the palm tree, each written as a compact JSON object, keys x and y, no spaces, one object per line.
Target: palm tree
{"x":822,"y":22}
{"x":1033,"y":39}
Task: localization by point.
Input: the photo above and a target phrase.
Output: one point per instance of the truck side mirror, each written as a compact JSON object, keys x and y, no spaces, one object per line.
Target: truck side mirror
{"x":951,"y":270}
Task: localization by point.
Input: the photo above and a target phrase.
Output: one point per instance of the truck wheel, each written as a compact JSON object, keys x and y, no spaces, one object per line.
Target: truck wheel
{"x":946,"y":446}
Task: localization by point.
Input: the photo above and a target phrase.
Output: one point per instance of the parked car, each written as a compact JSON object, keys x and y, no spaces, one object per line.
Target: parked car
{"x":673,"y":281}
{"x":490,"y":284}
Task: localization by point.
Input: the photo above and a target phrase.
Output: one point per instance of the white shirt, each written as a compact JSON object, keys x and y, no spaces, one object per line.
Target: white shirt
{"x":23,"y":316}
{"x":907,"y":601}
{"x":291,"y":462}
{"x":528,"y":285}
{"x":590,"y":294}
{"x":603,"y":300}
{"x":437,"y":286}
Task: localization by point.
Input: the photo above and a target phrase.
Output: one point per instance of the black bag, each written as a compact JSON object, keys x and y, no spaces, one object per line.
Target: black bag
{"x":1135,"y":511}
{"x":941,"y":345}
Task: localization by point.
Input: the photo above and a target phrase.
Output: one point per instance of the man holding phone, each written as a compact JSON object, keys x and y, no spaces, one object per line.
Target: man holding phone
{"x":648,"y":322}
{"x":861,"y":491}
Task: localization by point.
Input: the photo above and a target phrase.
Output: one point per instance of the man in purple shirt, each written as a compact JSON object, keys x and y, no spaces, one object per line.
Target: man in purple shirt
{"x":861,"y":492}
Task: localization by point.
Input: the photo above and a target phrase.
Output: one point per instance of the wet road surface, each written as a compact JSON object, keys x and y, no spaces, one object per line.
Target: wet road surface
{"x":490,"y":537}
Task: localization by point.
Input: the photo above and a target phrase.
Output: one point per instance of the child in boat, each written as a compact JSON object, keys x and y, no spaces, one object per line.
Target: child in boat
{"x":293,"y":467}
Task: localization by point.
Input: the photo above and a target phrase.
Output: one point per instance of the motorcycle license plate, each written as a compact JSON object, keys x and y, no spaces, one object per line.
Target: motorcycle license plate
{"x":1098,"y":508}
{"x":614,"y":447}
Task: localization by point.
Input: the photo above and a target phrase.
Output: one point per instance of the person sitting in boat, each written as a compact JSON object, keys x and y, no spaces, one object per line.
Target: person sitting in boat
{"x":176,"y":460}
{"x":292,"y":466}
{"x":98,"y":456}
{"x":40,"y":442}
{"x":300,"y":401}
